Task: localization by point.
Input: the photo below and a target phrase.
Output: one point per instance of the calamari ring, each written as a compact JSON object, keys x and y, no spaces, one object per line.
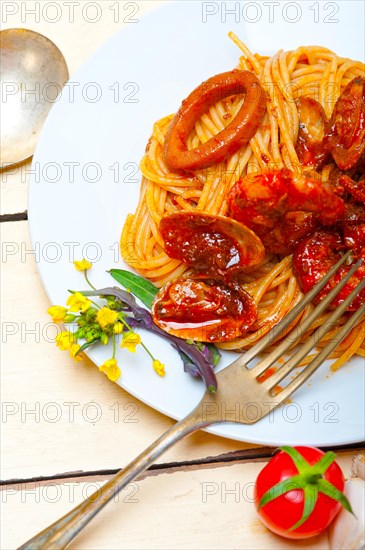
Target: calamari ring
{"x":240,"y":130}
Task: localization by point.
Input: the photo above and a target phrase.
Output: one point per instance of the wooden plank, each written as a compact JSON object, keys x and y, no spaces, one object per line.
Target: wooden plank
{"x":204,"y":507}
{"x":66,"y":416}
{"x":78,"y":30}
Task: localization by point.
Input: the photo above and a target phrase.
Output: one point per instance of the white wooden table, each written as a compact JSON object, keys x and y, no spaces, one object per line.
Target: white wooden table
{"x":64,"y":427}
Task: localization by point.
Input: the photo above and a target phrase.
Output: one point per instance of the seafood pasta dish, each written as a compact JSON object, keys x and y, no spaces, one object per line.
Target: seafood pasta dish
{"x":250,"y":193}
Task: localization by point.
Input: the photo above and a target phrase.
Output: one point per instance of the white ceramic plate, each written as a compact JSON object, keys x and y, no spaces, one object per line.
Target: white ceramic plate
{"x":85,"y":180}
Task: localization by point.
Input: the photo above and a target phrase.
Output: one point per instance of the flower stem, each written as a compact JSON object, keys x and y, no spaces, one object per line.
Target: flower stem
{"x":148,"y":351}
{"x":114,"y":346}
{"x":87,"y":280}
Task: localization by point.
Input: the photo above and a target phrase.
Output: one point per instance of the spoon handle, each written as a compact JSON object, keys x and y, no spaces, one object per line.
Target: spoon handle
{"x":62,"y":532}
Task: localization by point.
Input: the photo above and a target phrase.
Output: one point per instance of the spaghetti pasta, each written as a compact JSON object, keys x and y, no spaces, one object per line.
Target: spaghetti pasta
{"x":310,"y":71}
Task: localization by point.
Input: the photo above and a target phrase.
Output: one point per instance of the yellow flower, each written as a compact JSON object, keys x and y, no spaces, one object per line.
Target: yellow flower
{"x":58,"y":313}
{"x":106,"y":316}
{"x":111,"y":369}
{"x":159,"y":367}
{"x":64,"y":340}
{"x":130,"y":341}
{"x":118,"y":328}
{"x":82,"y":265}
{"x":73,"y":352}
{"x":78,"y":302}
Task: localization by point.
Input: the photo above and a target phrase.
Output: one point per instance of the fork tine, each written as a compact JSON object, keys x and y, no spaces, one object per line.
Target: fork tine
{"x":294,"y":361}
{"x":304,"y":325}
{"x":321,"y":357}
{"x":289,"y":318}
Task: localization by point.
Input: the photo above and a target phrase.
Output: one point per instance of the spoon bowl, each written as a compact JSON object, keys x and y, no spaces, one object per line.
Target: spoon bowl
{"x":33,"y":72}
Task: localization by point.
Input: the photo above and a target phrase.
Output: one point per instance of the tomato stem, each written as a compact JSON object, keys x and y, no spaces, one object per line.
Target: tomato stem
{"x":313,"y":478}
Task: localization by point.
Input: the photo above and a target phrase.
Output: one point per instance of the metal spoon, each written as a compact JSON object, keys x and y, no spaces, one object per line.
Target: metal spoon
{"x":33,"y":72}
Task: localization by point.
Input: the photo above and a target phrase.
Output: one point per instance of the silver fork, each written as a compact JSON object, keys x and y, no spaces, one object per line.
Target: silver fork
{"x":237,"y":384}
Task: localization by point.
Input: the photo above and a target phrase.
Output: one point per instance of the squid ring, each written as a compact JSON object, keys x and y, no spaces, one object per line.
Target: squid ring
{"x":240,"y":130}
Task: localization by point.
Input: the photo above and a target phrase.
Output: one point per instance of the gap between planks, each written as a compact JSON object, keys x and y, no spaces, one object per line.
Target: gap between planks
{"x":261,"y":454}
{"x":19,"y":217}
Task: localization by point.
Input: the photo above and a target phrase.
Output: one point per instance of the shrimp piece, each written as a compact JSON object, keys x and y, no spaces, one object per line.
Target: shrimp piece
{"x":282,"y":207}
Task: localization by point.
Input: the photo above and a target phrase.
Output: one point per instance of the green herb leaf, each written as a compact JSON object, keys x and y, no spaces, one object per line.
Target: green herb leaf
{"x":87,"y":345}
{"x":139,"y":286}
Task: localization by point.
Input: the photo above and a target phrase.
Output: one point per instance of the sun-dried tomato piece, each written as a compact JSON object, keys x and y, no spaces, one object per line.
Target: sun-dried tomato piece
{"x":346,"y":135}
{"x":310,"y":148}
{"x":204,"y":311}
{"x":314,"y":258}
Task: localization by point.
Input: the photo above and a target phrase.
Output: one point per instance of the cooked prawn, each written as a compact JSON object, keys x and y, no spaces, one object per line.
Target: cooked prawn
{"x":282,"y":207}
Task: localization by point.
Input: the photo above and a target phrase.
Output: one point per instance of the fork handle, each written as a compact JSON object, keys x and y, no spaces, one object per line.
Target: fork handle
{"x":62,"y":532}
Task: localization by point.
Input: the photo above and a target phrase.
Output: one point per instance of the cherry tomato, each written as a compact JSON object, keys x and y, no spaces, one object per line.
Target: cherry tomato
{"x":204,"y":311}
{"x":283,"y":512}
